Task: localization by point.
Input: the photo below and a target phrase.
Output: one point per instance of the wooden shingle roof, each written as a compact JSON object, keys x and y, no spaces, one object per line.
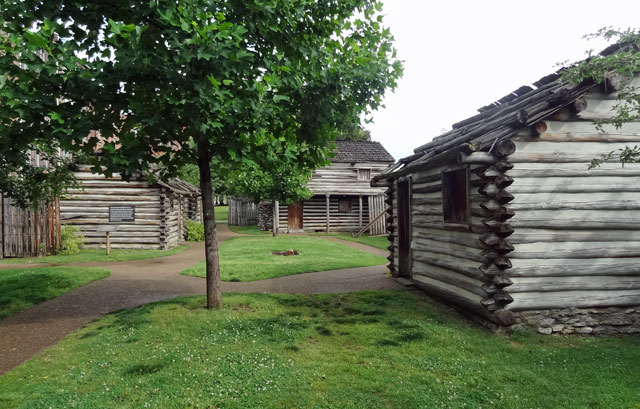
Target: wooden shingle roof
{"x":361,"y":151}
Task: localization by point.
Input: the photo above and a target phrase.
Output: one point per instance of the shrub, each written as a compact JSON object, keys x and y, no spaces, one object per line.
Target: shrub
{"x":71,"y":240}
{"x":195,"y":230}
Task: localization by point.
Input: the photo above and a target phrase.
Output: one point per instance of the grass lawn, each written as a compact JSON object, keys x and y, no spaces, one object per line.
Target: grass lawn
{"x":222,"y":213}
{"x":90,"y":256}
{"x":250,"y":258}
{"x":21,"y":288}
{"x":252,"y":230}
{"x":360,"y":350}
{"x":380,"y":242}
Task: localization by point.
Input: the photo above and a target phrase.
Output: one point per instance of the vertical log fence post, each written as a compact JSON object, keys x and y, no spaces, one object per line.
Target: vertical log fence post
{"x":327,"y":208}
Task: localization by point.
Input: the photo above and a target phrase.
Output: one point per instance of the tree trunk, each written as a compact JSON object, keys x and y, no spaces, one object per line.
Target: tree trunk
{"x":214,"y":293}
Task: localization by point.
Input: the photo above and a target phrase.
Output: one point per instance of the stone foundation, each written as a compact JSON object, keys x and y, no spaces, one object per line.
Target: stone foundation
{"x":265,"y":215}
{"x":595,"y":321}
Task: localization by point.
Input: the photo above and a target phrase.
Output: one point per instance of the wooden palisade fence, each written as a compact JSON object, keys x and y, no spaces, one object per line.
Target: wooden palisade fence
{"x":29,"y":233}
{"x":242,"y":212}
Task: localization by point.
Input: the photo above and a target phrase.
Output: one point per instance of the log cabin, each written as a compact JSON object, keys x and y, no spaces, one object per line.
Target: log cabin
{"x":146,"y":215}
{"x":343,"y":198}
{"x":502,"y":217}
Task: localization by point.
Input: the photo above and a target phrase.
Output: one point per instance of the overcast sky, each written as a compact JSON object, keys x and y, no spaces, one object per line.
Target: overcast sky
{"x":461,"y":55}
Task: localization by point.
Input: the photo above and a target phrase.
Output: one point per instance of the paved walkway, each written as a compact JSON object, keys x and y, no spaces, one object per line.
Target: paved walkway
{"x":133,"y":283}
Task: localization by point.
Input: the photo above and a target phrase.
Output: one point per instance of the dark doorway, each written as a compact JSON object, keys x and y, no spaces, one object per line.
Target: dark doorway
{"x":404,"y":228}
{"x":295,"y":216}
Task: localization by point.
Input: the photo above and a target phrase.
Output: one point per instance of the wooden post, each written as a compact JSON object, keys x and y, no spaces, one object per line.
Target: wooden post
{"x":360,"y":212}
{"x":107,"y":229}
{"x":276,"y":217}
{"x":58,"y":226}
{"x":327,"y":207}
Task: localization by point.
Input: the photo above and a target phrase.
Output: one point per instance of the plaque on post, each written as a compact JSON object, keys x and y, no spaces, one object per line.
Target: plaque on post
{"x":122,"y":214}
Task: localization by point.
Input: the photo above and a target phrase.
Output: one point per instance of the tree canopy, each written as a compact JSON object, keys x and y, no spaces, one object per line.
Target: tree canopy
{"x":171,"y":82}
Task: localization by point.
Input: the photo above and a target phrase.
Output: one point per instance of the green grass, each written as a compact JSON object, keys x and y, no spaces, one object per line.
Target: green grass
{"x":380,"y":242}
{"x":250,"y":258}
{"x":90,"y":256}
{"x":222,"y":213}
{"x":368,"y":350}
{"x":22,"y":288}
{"x":252,"y":230}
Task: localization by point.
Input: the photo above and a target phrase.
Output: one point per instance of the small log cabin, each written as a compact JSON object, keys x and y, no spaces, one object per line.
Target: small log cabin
{"x":343,"y":198}
{"x":501,"y":217}
{"x":148,"y":215}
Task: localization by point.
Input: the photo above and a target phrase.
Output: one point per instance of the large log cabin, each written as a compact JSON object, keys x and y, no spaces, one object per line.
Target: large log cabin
{"x":502,"y":218}
{"x":343,"y":198}
{"x":147,"y":215}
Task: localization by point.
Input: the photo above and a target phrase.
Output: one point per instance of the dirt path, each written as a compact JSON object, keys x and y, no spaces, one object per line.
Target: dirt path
{"x":133,"y":283}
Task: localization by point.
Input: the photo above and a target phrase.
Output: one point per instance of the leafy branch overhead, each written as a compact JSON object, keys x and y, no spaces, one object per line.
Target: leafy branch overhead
{"x":618,"y":69}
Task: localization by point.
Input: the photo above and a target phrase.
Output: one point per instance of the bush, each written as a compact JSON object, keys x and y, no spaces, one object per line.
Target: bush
{"x":195,"y":230}
{"x":71,"y":240}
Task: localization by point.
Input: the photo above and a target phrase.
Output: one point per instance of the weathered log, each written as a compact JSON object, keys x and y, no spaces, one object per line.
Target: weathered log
{"x":503,"y":181}
{"x":388,"y":200}
{"x":490,"y":239}
{"x":489,"y":288}
{"x":391,"y":237}
{"x":503,"y":197}
{"x":522,"y":116}
{"x":476,"y":158}
{"x":490,"y":172}
{"x":491,"y":205}
{"x":391,"y":228}
{"x":391,"y":248}
{"x":490,"y":255}
{"x":390,"y":258}
{"x":502,"y":262}
{"x":500,"y":215}
{"x":578,"y":250}
{"x":503,"y":165}
{"x":590,"y":283}
{"x":490,"y":269}
{"x":503,"y":148}
{"x":503,"y":247}
{"x":502,"y":297}
{"x":441,"y":275}
{"x":459,"y":265}
{"x":575,"y":299}
{"x":489,"y":189}
{"x":502,"y":280}
{"x":579,"y":105}
{"x":502,"y":230}
{"x":490,"y":304}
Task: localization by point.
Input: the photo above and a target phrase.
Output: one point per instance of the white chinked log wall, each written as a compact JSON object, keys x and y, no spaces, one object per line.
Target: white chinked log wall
{"x":157,"y":212}
{"x":576,"y":264}
{"x":340,"y":180}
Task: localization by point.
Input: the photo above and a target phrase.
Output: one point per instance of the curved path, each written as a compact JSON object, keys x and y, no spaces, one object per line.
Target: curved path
{"x":133,"y":283}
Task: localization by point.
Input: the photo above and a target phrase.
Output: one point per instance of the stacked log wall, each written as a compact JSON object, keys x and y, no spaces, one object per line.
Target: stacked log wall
{"x":577,"y":231}
{"x":315,"y":214}
{"x":156,"y":222}
{"x":459,"y":263}
{"x":342,"y":178}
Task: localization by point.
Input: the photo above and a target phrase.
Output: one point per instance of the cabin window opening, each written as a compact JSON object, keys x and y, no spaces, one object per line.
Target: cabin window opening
{"x":364,"y":174}
{"x":455,"y":196}
{"x":344,"y":205}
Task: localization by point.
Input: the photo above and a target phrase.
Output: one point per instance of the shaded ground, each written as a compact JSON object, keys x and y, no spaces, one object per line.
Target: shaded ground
{"x":133,"y":283}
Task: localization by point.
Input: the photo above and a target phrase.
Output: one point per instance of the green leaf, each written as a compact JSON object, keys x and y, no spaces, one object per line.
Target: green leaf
{"x":36,"y":40}
{"x":277,"y":98}
{"x":56,"y":117}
